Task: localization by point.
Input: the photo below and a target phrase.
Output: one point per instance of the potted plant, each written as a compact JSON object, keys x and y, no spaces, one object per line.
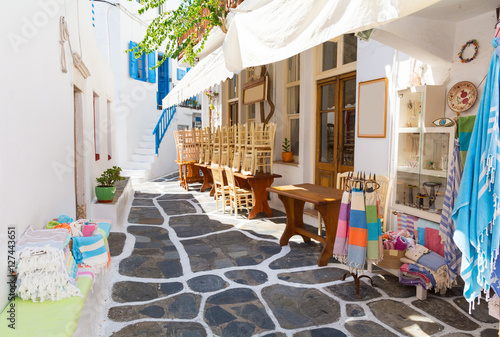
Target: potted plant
{"x":105,"y":189}
{"x":287,"y":155}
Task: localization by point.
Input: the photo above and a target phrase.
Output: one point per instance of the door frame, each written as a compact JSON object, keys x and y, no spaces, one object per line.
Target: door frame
{"x":336,"y":166}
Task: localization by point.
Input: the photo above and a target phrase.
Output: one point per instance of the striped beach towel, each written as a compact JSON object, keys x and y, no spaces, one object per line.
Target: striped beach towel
{"x":340,"y":246}
{"x":452,"y":254}
{"x":477,"y":205}
{"x":91,"y":250}
{"x":408,"y":222}
{"x":358,"y":232}
{"x":374,"y":228}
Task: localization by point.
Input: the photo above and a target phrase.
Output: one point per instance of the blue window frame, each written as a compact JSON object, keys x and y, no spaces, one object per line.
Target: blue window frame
{"x":140,"y":68}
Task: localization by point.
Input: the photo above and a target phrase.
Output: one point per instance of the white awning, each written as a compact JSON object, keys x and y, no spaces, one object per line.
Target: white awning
{"x":284,"y":28}
{"x":209,"y":71}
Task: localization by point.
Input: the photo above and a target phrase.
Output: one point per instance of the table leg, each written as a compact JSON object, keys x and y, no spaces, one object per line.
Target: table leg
{"x":207,"y":179}
{"x":294,"y":209}
{"x":330,"y":214}
{"x":260,"y":203}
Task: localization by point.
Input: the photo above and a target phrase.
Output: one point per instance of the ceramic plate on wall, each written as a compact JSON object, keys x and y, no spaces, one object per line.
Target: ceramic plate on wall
{"x":462,"y":96}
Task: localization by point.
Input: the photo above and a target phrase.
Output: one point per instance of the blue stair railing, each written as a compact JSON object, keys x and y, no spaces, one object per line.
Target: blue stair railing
{"x":162,"y":125}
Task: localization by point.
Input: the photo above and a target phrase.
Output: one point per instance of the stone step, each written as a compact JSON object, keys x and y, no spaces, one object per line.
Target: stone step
{"x":148,"y":138}
{"x":147,"y":145}
{"x":143,"y":150}
{"x":133,"y":165}
{"x":143,"y":158}
{"x":136,"y":175}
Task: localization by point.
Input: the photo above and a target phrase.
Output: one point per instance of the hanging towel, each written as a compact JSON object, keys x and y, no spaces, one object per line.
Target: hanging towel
{"x":358,"y":233}
{"x":340,"y":246}
{"x":465,"y":127}
{"x":477,"y":204}
{"x":452,"y":254}
{"x":374,"y":227}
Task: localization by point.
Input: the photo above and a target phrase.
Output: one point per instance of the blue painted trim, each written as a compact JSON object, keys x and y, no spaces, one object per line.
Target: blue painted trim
{"x":162,"y":125}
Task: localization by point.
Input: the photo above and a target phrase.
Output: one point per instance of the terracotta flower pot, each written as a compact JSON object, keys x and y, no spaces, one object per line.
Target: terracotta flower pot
{"x":287,"y":156}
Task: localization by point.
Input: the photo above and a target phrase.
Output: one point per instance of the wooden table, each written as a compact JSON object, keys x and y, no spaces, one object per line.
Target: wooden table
{"x":208,"y":180}
{"x":327,"y":201}
{"x":258,"y":183}
{"x":188,"y":173}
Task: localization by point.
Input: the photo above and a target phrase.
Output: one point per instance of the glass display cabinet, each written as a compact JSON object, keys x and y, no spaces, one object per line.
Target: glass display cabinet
{"x":423,"y":151}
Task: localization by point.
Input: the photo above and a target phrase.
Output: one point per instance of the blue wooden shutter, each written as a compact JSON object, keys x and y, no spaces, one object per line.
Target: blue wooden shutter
{"x":151,"y":63}
{"x":133,"y":61}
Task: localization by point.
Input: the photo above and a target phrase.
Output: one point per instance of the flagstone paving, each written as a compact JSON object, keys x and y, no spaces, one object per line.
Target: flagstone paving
{"x":185,"y":269}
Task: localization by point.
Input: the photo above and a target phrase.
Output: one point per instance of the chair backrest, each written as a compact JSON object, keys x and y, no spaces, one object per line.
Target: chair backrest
{"x":230,"y":179}
{"x":342,"y":178}
{"x":217,"y":176}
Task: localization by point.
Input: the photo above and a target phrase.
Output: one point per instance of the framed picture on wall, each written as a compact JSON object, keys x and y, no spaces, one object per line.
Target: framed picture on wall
{"x":255,"y":91}
{"x":372,"y":108}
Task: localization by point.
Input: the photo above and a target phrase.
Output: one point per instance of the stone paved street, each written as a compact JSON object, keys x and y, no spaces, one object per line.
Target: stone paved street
{"x":181,"y":268}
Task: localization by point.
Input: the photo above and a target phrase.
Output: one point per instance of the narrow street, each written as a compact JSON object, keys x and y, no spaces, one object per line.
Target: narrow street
{"x":184,"y":269}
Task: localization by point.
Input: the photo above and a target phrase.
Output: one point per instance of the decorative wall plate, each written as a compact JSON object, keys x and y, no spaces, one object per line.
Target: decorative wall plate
{"x":462,"y":96}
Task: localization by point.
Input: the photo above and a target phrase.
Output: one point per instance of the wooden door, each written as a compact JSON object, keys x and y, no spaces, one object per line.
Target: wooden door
{"x":335,"y":120}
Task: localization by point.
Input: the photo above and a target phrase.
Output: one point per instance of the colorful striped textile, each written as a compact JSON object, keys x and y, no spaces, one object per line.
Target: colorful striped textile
{"x":477,"y":205}
{"x":358,"y":232}
{"x":55,"y":238}
{"x":407,"y":222}
{"x":374,"y":227}
{"x":91,"y":250}
{"x":465,"y":127}
{"x":340,"y":246}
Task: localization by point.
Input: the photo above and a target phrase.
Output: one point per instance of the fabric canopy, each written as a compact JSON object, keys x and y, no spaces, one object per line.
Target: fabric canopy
{"x":209,"y":71}
{"x":284,"y":28}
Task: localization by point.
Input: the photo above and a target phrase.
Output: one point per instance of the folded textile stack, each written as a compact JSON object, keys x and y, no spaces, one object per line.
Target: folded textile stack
{"x":426,"y":266}
{"x":45,"y":267}
{"x":398,"y":240}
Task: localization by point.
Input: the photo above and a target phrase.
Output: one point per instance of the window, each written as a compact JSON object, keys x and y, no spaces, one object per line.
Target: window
{"x":141,"y":68}
{"x":180,"y":73}
{"x":340,"y":52}
{"x":250,"y":113}
{"x":97,"y":148}
{"x":232,"y":100}
{"x":292,"y":101}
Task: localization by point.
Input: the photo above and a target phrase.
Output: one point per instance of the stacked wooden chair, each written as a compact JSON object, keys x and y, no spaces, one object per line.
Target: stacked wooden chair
{"x":259,"y":149}
{"x":221,"y":190}
{"x":240,"y":140}
{"x":239,"y":198}
{"x":188,"y":151}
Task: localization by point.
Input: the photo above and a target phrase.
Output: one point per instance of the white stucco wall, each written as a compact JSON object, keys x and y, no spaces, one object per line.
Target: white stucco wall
{"x":480,"y":28}
{"x":36,"y":102}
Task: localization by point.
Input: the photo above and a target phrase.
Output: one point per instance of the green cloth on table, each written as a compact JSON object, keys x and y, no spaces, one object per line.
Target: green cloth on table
{"x":46,"y":319}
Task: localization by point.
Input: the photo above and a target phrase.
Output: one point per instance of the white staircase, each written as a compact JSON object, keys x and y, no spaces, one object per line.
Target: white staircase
{"x":139,"y":167}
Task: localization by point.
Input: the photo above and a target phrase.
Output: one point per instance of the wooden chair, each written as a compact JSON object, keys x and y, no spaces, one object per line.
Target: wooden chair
{"x":240,"y":137}
{"x":247,"y":154}
{"x":209,"y":146}
{"x":221,"y":190}
{"x":261,"y":149}
{"x":264,"y":149}
{"x":216,"y":147}
{"x":187,"y":154}
{"x":227,"y":145}
{"x":239,"y":198}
